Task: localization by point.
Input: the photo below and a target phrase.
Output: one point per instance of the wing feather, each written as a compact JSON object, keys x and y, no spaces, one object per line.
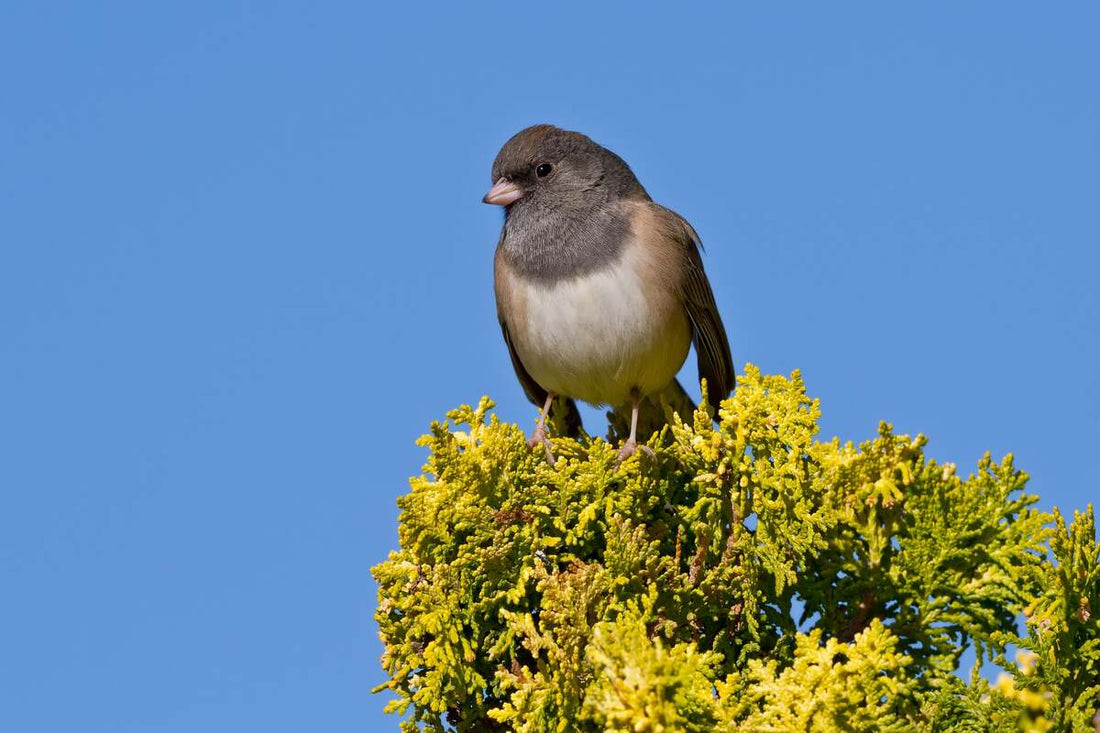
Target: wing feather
{"x":709,"y":335}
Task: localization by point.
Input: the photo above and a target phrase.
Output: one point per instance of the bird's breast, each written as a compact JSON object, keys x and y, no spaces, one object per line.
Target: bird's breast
{"x":600,"y":335}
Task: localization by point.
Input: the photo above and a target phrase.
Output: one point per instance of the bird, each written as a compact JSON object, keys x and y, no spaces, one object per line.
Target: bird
{"x":600,"y":291}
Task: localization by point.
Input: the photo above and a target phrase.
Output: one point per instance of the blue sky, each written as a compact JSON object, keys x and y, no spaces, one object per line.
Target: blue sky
{"x":244,"y":263}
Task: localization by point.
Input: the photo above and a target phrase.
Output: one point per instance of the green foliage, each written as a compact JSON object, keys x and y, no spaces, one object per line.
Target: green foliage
{"x":746,"y":576}
{"x":1063,"y":630}
{"x":831,"y":685}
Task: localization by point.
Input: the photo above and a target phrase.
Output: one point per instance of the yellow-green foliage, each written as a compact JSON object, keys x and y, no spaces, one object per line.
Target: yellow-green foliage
{"x":859,"y":686}
{"x":744,"y":577}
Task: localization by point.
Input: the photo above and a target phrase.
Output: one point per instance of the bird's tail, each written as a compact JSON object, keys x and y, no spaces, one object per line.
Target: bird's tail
{"x":566,"y":418}
{"x":651,"y":414}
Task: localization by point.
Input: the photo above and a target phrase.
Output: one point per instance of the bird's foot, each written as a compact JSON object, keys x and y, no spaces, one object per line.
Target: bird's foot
{"x":630,"y":447}
{"x":539,"y":437}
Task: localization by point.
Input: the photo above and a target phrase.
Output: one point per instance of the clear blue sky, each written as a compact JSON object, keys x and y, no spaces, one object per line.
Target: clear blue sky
{"x":244,"y":262}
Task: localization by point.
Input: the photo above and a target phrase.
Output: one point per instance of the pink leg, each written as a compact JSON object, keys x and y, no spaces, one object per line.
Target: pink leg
{"x":539,"y":436}
{"x":631,"y":444}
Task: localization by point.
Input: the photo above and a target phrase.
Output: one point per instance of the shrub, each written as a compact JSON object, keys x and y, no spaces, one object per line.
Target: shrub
{"x":746,"y":576}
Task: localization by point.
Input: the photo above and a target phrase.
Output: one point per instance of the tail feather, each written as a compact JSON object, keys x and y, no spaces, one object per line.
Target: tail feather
{"x":566,"y":418}
{"x":651,"y":414}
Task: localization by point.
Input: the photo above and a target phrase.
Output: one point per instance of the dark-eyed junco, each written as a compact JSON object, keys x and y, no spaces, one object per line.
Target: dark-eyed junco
{"x":600,"y":291}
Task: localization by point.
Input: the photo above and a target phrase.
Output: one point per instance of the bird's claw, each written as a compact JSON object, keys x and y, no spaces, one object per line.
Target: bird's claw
{"x":630,"y":447}
{"x":539,"y":437}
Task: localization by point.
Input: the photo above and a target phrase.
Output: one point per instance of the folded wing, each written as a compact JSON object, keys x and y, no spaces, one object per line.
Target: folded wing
{"x":708,"y":334}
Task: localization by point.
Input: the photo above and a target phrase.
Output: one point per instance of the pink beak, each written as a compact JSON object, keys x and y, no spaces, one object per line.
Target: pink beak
{"x":503,"y":193}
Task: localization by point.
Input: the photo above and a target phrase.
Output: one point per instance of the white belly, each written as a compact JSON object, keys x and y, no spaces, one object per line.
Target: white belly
{"x":600,"y":336}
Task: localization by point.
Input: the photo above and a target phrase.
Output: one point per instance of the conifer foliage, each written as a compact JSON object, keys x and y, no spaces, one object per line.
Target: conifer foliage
{"x":745,"y":577}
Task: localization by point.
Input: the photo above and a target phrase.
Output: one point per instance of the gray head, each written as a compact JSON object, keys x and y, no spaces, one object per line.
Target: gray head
{"x":546,"y":167}
{"x":560,"y":191}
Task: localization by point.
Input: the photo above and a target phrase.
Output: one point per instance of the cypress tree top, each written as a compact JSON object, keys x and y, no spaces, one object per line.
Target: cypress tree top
{"x":746,"y":576}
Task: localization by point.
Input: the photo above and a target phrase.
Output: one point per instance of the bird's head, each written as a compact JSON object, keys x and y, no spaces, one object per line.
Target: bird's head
{"x":544,"y":165}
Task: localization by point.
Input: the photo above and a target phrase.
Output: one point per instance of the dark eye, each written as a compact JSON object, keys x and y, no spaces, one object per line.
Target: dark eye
{"x":543,"y":170}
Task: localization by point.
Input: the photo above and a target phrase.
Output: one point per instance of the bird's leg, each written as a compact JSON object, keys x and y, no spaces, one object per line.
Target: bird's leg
{"x":631,"y":444}
{"x":539,"y":436}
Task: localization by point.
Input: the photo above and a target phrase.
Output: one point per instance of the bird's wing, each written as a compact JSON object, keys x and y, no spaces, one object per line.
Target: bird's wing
{"x":531,"y":388}
{"x":709,"y":335}
{"x":565,"y":409}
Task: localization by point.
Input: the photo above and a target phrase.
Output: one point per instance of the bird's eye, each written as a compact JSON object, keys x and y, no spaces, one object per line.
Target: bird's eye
{"x":543,"y":170}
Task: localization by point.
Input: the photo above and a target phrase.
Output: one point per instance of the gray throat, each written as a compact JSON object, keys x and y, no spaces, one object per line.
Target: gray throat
{"x":549,"y":246}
